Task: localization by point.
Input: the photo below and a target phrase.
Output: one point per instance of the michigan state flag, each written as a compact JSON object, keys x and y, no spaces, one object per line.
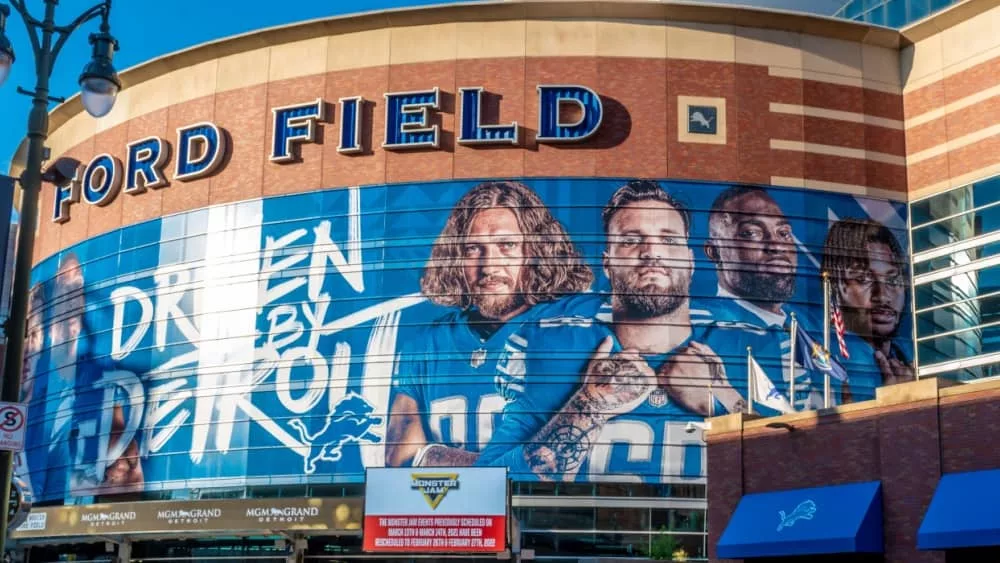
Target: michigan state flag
{"x":812,"y":357}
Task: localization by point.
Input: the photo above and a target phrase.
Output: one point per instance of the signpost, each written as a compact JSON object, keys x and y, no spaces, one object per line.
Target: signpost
{"x":12,"y":426}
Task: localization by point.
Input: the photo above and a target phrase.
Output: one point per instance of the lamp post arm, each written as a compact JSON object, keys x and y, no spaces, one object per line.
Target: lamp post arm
{"x":29,"y":22}
{"x":100,"y":10}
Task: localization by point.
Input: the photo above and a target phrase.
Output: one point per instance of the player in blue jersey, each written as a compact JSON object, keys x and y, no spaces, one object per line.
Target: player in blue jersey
{"x":867,"y":269}
{"x":33,"y":392}
{"x":753,"y":247}
{"x":502,"y":260}
{"x":616,"y":395}
{"x":79,"y":422}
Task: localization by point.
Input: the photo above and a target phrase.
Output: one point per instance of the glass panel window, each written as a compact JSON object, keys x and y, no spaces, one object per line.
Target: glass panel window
{"x":965,"y":344}
{"x":624,"y":519}
{"x":556,"y":518}
{"x":955,"y":201}
{"x":895,"y":13}
{"x":678,"y":520}
{"x":957,"y":258}
{"x":958,"y":287}
{"x":587,"y":545}
{"x":966,"y":314}
{"x":956,"y":229}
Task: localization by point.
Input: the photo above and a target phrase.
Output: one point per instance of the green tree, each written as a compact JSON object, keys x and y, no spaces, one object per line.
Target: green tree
{"x":666,"y":547}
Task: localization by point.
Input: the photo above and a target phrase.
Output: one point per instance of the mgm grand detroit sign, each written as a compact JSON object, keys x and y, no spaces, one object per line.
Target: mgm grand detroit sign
{"x":201,"y":147}
{"x":316,"y":516}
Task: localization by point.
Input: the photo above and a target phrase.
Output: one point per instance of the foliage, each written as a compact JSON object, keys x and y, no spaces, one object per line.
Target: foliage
{"x":666,"y":547}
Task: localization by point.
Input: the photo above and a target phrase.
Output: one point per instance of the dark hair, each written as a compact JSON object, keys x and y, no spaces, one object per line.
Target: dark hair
{"x":718,"y":209}
{"x":554,"y":267}
{"x":846,"y":244}
{"x":643,"y":190}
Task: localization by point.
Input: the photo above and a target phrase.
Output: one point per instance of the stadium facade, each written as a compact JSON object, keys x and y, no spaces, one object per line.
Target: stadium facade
{"x":554,"y":237}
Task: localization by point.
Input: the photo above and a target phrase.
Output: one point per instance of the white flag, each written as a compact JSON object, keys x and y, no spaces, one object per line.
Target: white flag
{"x":764,"y":392}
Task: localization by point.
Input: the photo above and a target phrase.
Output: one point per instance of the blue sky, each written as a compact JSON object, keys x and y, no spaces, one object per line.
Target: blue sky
{"x":146,"y":30}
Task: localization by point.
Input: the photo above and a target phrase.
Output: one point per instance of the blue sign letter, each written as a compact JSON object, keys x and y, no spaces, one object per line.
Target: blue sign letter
{"x":200,"y":148}
{"x":407,"y":119}
{"x":295,"y":124}
{"x":350,"y":125}
{"x":472,"y":130}
{"x":66,"y":196}
{"x":102,"y":179}
{"x":551,"y":128}
{"x":146,"y":158}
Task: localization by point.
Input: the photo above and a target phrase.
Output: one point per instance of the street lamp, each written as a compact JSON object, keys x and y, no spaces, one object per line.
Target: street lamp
{"x":6,"y":49}
{"x":99,"y":85}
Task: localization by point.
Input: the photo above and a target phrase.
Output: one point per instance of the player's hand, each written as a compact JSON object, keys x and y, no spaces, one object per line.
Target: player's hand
{"x":686,"y":379}
{"x":616,"y":383}
{"x":126,"y":471}
{"x":893,"y":370}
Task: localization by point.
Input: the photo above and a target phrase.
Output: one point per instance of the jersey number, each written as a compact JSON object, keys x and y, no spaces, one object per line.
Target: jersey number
{"x":456,"y":412}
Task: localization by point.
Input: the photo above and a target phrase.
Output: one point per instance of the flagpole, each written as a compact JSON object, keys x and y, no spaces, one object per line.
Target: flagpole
{"x":711,"y":400}
{"x":794,"y":327}
{"x":749,"y":380}
{"x":826,"y":336}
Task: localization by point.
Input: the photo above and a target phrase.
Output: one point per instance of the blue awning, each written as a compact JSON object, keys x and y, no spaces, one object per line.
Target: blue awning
{"x":834,"y":519}
{"x":963,"y":512}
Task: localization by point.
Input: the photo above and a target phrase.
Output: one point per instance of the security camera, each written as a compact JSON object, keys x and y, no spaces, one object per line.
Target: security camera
{"x":62,"y":171}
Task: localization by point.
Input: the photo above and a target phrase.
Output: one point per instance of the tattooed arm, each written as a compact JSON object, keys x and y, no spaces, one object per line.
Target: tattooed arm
{"x":440,"y":455}
{"x":613,"y":384}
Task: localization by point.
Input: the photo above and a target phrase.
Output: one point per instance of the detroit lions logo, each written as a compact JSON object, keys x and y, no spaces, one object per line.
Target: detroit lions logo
{"x":700,"y":119}
{"x":350,"y":420}
{"x":804,"y":511}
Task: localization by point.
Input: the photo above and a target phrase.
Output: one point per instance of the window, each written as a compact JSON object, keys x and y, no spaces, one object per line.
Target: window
{"x":957,"y":228}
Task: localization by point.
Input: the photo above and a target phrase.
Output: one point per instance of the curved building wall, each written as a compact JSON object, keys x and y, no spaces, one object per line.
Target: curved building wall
{"x":250,"y":309}
{"x":950,"y":97}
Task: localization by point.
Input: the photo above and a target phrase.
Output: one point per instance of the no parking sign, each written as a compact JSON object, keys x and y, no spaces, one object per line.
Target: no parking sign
{"x":12,"y":426}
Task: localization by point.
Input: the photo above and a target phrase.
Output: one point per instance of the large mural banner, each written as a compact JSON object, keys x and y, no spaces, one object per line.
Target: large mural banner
{"x":568,"y":329}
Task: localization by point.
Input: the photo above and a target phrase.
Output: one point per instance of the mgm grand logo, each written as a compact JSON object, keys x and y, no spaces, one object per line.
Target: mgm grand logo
{"x":110,"y":518}
{"x":189,"y":516}
{"x":434,"y":486}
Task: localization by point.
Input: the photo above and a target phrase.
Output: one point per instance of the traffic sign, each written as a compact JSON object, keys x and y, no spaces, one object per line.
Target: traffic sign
{"x":12,"y":426}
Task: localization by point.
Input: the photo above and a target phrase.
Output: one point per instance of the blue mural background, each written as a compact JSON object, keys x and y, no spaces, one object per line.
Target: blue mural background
{"x":213,"y":330}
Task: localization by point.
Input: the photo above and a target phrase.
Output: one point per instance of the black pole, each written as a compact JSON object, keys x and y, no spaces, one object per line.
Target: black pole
{"x":31,"y":182}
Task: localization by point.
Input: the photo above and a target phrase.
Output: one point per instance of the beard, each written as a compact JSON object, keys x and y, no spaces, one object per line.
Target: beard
{"x":761,"y":286}
{"x":497,"y":305}
{"x":644,"y":301}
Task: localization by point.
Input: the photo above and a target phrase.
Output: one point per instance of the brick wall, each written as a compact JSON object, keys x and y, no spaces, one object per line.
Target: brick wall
{"x":907,"y":438}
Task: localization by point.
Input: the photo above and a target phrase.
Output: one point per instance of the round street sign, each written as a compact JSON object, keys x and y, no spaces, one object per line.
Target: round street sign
{"x":19,"y":503}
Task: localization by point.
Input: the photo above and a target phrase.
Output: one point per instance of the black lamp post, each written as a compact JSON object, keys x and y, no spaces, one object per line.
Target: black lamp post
{"x":99,"y":86}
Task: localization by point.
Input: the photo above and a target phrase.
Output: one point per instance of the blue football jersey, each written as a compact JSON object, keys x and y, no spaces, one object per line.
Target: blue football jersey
{"x":448,"y":369}
{"x":862,"y":368}
{"x":734,"y":327}
{"x":544,"y":364}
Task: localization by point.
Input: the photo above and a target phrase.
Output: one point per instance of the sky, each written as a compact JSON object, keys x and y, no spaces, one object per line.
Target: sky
{"x":145,"y":32}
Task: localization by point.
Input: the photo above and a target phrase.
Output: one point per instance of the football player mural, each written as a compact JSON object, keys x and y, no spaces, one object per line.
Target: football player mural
{"x":569,"y":329}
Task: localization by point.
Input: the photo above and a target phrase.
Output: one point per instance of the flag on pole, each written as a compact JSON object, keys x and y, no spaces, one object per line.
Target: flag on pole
{"x":764,"y":392}
{"x":838,"y":328}
{"x":813,"y":357}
